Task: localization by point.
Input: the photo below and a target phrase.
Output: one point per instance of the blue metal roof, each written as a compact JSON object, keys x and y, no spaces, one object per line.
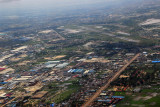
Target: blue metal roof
{"x":118,"y":97}
{"x":52,"y":105}
{"x":106,"y":96}
{"x":75,"y":70}
{"x":32,"y":70}
{"x":155,"y":61}
{"x":3,"y":82}
{"x":91,"y":71}
{"x":80,"y":70}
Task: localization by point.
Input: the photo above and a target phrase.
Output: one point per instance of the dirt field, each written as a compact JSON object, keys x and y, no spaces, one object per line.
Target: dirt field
{"x":151,"y":21}
{"x":56,"y":57}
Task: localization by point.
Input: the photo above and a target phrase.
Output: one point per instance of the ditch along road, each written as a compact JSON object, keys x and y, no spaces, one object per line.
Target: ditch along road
{"x":117,"y":74}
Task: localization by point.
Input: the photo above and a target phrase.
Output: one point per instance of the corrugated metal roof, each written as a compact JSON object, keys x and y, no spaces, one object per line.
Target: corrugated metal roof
{"x":51,"y":65}
{"x":118,"y":97}
{"x":62,"y":65}
{"x":155,"y":61}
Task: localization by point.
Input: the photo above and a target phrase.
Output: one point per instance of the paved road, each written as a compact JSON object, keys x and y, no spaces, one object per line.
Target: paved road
{"x":4,"y":105}
{"x":60,"y":36}
{"x":86,"y":104}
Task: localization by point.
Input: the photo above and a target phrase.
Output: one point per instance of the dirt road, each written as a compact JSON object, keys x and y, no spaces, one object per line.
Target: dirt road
{"x":117,"y":74}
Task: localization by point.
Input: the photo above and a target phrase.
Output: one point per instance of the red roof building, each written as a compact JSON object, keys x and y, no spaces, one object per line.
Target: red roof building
{"x":1,"y":69}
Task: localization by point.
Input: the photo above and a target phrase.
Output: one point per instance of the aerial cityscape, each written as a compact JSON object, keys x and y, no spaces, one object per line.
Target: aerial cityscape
{"x":79,"y":53}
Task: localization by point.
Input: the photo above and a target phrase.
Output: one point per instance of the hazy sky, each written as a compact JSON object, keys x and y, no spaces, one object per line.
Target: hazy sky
{"x":20,"y":7}
{"x":47,"y":3}
{"x":16,"y":6}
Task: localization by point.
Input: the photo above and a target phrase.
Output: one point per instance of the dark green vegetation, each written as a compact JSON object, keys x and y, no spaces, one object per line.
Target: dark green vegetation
{"x":146,"y":78}
{"x":105,"y":30}
{"x":57,"y":93}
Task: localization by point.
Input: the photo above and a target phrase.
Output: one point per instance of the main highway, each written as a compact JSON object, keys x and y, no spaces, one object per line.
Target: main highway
{"x":117,"y":74}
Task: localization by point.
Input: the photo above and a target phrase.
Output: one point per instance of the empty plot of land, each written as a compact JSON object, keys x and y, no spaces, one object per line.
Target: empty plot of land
{"x":33,"y":88}
{"x":128,"y":39}
{"x":40,"y":94}
{"x":15,"y":59}
{"x":87,"y":45}
{"x":23,"y":63}
{"x":59,"y":56}
{"x":8,"y":70}
{"x":61,"y":27}
{"x":146,"y":97}
{"x":72,"y":31}
{"x":151,"y":21}
{"x":102,"y":60}
{"x":99,"y":27}
{"x":46,"y":31}
{"x":123,"y":33}
{"x":5,"y":57}
{"x":56,"y":57}
{"x":20,"y":48}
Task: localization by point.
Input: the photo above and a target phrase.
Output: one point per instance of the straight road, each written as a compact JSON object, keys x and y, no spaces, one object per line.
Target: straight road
{"x":117,"y":74}
{"x":60,"y":36}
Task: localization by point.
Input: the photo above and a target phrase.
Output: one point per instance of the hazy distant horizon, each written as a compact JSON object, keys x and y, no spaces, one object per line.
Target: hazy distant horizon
{"x":54,"y":4}
{"x":14,"y":7}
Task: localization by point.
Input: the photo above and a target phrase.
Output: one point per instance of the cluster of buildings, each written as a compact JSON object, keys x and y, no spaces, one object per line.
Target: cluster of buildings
{"x":99,"y":73}
{"x":91,"y":70}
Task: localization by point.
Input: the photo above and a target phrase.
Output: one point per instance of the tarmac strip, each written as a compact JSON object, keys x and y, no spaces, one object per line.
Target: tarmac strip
{"x":88,"y":103}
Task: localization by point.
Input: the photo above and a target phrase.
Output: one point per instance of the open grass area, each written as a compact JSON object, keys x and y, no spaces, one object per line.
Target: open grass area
{"x":59,"y":96}
{"x":129,"y":100}
{"x":149,"y":70}
{"x":120,"y":93}
{"x":154,"y":102}
{"x":150,"y":90}
{"x":65,"y":95}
